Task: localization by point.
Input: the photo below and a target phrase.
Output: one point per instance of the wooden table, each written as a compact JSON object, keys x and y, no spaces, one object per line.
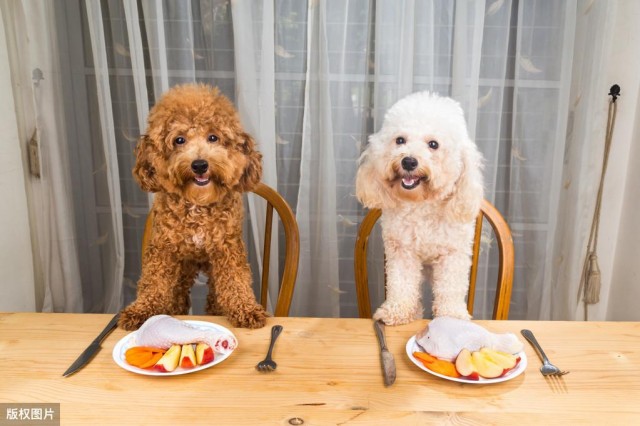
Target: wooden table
{"x":328,"y":373}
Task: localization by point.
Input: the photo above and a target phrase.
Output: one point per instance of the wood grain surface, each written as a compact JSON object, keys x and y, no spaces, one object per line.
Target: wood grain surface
{"x":328,"y":373}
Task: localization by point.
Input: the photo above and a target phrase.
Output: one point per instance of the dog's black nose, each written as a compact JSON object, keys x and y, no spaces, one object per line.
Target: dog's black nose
{"x":199,"y":166}
{"x":409,"y":163}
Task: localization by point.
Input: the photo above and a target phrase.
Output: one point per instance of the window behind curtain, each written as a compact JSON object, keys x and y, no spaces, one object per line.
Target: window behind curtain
{"x":355,"y":116}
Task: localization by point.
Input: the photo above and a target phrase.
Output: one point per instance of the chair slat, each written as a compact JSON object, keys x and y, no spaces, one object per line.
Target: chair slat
{"x":505,"y":270}
{"x":292,"y":247}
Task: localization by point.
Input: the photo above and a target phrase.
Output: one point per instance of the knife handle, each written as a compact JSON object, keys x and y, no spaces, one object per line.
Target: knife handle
{"x":379,"y":328}
{"x":112,"y":324}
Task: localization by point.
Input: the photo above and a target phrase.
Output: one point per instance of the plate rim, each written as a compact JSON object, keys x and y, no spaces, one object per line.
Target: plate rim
{"x":121,"y":346}
{"x":518,"y":370}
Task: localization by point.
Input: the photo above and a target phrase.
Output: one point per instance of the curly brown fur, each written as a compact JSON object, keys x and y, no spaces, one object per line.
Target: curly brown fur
{"x":198,"y":210}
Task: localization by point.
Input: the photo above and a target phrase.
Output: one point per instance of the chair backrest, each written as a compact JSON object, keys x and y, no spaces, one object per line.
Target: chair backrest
{"x":505,"y":269}
{"x":292,"y":248}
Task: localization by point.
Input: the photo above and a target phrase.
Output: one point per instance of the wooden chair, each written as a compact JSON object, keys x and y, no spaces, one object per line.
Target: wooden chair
{"x":505,"y":270}
{"x":292,"y":248}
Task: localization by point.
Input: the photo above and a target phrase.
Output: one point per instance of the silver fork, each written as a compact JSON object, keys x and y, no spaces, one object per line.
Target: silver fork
{"x":269,"y":364}
{"x":547,"y":368}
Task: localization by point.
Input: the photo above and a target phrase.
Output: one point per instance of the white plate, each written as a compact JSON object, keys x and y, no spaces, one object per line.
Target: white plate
{"x":412,"y":347}
{"x":127,"y":341}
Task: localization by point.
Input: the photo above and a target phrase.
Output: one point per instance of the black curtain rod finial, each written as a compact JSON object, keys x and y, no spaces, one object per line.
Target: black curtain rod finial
{"x":614,"y":92}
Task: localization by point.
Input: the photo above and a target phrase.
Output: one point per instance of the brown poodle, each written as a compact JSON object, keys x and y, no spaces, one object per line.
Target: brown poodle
{"x":198,"y":161}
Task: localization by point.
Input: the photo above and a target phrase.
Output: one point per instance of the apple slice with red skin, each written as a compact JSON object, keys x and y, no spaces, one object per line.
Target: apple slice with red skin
{"x":464,"y":363}
{"x":465,"y":366}
{"x":506,"y":370}
{"x":204,"y":354}
{"x":485,"y":366}
{"x":506,"y":360}
{"x":187,"y":357}
{"x":169,"y":360}
{"x":473,"y":376}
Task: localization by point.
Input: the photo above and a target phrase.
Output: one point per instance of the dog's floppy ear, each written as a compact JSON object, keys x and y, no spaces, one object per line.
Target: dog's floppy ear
{"x":369,"y":190}
{"x":144,"y":172}
{"x":468,"y":190}
{"x":253,"y":171}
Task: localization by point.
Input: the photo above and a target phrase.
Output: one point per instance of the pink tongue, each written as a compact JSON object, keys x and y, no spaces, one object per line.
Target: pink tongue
{"x":201,"y":179}
{"x":409,"y":181}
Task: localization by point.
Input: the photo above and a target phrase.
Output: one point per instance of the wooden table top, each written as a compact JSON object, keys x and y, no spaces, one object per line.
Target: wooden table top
{"x":328,"y":373}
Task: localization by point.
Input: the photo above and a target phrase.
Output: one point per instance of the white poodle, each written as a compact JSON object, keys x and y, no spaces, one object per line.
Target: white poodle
{"x":424,"y":172}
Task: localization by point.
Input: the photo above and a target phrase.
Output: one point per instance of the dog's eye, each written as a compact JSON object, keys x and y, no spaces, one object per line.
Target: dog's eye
{"x":212,"y":138}
{"x":433,"y":144}
{"x":400,"y":140}
{"x":179,"y":140}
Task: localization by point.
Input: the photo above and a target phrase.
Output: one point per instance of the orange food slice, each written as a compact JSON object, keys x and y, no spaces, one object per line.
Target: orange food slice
{"x":446,"y":368}
{"x":424,"y":357}
{"x":142,"y":355}
{"x":144,"y":349}
{"x":440,"y":366}
{"x":152,"y":361}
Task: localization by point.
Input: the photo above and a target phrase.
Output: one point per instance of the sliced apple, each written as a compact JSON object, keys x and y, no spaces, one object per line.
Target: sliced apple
{"x":465,"y":366}
{"x":204,"y":354}
{"x":472,"y":376}
{"x":154,"y":359}
{"x":485,"y":366}
{"x":506,"y":360}
{"x":506,"y":370}
{"x":187,"y":357}
{"x":464,"y":363}
{"x":169,"y":360}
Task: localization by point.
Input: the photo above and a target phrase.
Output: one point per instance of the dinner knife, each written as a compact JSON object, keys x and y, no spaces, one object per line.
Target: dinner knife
{"x":386,"y":357}
{"x":93,"y":348}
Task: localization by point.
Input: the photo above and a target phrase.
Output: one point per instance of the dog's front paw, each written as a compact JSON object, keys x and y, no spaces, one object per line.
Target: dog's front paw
{"x":398,"y":314}
{"x":251,"y":317}
{"x":459,"y":311}
{"x":131,"y":318}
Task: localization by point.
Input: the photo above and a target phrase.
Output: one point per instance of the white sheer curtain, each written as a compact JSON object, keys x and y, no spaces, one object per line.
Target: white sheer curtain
{"x":587,"y":104}
{"x":255,"y":99}
{"x":504,"y":61}
{"x":311,"y":81}
{"x":37,"y":93}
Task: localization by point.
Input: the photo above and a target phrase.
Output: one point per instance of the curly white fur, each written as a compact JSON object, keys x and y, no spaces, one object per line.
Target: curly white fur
{"x":424,"y":172}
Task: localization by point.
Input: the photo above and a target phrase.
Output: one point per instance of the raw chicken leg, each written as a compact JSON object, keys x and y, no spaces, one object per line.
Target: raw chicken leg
{"x":162,"y":331}
{"x":445,"y":337}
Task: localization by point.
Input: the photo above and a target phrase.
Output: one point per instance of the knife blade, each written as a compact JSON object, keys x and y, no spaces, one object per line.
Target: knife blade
{"x":91,"y":351}
{"x":386,"y":357}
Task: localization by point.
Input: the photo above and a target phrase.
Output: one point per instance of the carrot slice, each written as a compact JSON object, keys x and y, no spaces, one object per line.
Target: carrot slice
{"x":424,"y":357}
{"x":138,"y":358}
{"x":141,"y":355}
{"x":440,"y":366}
{"x":446,"y":368}
{"x":144,"y":349}
{"x":152,"y":361}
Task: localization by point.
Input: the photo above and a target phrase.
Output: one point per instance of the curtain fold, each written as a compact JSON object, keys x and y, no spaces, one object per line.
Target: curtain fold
{"x":29,"y":27}
{"x":587,"y":115}
{"x":155,"y":26}
{"x":311,"y":81}
{"x":138,"y":69}
{"x":255,"y":97}
{"x":317,"y":286}
{"x":114,"y":232}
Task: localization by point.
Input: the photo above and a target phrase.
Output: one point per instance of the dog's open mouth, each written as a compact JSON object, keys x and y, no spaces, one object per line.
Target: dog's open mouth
{"x":410,"y":182}
{"x":201,"y":180}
